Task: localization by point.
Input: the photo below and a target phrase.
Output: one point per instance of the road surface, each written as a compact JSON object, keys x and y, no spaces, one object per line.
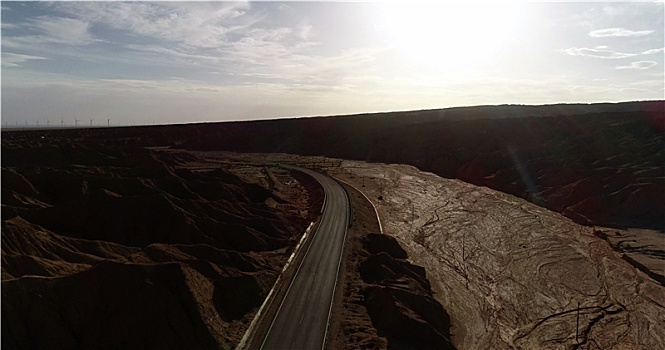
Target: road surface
{"x":301,"y":321}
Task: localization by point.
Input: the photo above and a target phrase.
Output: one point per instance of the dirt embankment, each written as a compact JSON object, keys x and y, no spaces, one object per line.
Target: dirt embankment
{"x":398,"y":298}
{"x":105,"y":246}
{"x":383,"y":300}
{"x":509,"y":273}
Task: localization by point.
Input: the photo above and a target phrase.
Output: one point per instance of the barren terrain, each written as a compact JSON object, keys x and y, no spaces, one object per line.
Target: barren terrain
{"x":512,"y":274}
{"x":107,"y":247}
{"x":159,"y":237}
{"x":384,"y":301}
{"x":596,"y":164}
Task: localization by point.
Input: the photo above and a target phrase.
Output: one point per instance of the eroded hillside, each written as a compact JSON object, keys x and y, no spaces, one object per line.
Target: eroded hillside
{"x":509,"y":273}
{"x":116,"y":238}
{"x":602,"y":166}
{"x":107,"y":247}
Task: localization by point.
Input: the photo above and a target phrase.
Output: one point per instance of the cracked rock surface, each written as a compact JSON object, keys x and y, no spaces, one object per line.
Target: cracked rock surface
{"x":513,"y":275}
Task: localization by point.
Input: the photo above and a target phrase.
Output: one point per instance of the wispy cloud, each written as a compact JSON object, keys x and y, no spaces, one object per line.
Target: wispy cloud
{"x":230,"y":38}
{"x":173,"y":85}
{"x":652,"y":51}
{"x":185,"y":61}
{"x":15,"y":60}
{"x":224,"y":37}
{"x":62,"y":30}
{"x":641,"y":65}
{"x":618,"y":32}
{"x":597,"y":53}
{"x":197,"y":25}
{"x":602,"y":52}
{"x":306,"y":31}
{"x":48,"y":31}
{"x":320,"y":72}
{"x":176,"y":53}
{"x":613,"y":11}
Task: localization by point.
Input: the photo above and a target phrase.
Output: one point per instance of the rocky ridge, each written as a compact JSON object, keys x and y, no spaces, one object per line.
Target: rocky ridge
{"x":509,"y":273}
{"x":109,"y":247}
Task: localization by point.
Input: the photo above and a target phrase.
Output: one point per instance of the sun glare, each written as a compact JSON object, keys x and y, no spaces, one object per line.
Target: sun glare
{"x":447,"y":37}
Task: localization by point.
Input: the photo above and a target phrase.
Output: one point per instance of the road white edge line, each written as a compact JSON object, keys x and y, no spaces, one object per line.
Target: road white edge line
{"x":291,"y":283}
{"x":284,"y":298}
{"x":268,"y":300}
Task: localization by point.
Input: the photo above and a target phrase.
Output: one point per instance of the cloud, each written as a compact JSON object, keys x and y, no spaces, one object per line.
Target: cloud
{"x":219,"y":35}
{"x":618,"y":32}
{"x":602,"y":52}
{"x":197,"y":25}
{"x":597,"y":53}
{"x":173,"y":85}
{"x":652,"y":51}
{"x":15,"y":60}
{"x":306,"y":31}
{"x":230,"y":38}
{"x":268,"y":47}
{"x":639,"y":65}
{"x":175,"y":53}
{"x":62,"y":30}
{"x":232,"y":34}
{"x":613,"y":11}
{"x":163,"y":101}
{"x":319,"y":72}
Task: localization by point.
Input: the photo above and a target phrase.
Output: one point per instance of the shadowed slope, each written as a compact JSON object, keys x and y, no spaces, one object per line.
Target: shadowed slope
{"x":140,"y":248}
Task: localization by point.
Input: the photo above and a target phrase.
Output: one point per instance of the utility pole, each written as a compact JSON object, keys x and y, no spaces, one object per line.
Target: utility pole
{"x":91,"y":122}
{"x":108,"y":122}
{"x":48,"y":123}
{"x":76,"y":122}
{"x":62,"y":123}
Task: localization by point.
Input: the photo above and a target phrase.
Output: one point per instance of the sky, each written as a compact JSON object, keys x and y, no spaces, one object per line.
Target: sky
{"x":124,"y":63}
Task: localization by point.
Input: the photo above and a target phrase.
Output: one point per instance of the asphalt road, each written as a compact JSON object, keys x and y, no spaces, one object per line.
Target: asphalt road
{"x":302,"y":319}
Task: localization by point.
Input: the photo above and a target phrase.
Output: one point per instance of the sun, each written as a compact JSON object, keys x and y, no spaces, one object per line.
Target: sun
{"x":447,"y":37}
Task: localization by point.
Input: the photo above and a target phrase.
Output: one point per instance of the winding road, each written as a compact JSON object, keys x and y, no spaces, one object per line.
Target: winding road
{"x":302,"y":319}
